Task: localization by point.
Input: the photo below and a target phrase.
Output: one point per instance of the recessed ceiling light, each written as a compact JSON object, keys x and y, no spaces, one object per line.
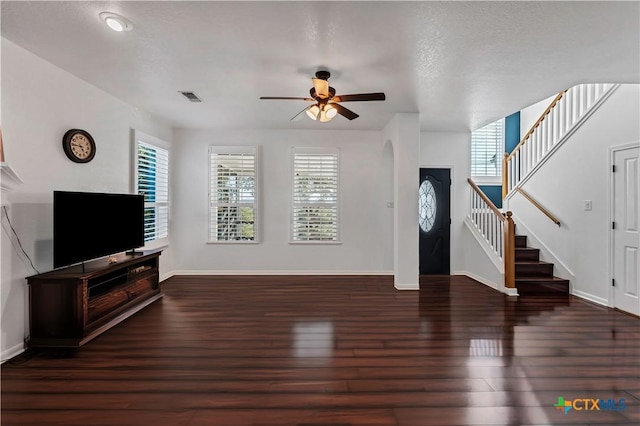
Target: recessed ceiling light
{"x":116,"y":22}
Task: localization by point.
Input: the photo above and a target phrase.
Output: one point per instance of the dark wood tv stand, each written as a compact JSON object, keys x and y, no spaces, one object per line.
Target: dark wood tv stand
{"x":68,"y":307}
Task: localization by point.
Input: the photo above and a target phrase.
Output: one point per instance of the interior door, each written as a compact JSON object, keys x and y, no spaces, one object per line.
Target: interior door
{"x":434,"y":221}
{"x":626,"y":233}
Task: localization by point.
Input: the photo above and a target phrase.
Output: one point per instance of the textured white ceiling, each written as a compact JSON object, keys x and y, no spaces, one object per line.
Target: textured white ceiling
{"x":459,"y":64}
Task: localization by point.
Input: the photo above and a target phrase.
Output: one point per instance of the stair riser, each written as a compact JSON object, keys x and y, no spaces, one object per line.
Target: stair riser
{"x":521,"y":241}
{"x":527,"y":255}
{"x":534,"y":269}
{"x":528,"y":288}
{"x":534,"y":278}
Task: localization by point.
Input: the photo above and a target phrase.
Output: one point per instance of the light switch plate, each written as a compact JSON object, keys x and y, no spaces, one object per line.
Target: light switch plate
{"x":587,"y":205}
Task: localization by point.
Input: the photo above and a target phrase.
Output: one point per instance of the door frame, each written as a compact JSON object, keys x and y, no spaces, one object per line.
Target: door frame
{"x":611,"y":213}
{"x":452,"y":210}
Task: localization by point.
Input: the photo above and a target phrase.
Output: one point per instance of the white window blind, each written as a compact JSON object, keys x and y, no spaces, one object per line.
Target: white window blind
{"x":232,"y":194}
{"x":315,"y":195}
{"x":152,"y":173}
{"x":487,"y":150}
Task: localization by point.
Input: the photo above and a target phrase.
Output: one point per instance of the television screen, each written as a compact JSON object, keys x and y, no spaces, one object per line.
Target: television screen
{"x":91,"y":225}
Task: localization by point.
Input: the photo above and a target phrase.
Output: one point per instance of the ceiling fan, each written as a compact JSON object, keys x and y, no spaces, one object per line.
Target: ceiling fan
{"x":326,"y":105}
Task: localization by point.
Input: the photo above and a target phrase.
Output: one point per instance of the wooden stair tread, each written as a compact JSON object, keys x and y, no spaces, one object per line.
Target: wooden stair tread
{"x":540,"y":279}
{"x":532,"y":262}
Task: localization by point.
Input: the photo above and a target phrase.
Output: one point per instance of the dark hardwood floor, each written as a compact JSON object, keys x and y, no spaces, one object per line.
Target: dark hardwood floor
{"x":311,"y":351}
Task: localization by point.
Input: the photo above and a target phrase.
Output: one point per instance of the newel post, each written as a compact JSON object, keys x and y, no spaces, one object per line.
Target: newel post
{"x":509,"y":252}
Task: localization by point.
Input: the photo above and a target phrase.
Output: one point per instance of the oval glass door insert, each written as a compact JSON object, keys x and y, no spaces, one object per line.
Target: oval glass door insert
{"x":427,"y":205}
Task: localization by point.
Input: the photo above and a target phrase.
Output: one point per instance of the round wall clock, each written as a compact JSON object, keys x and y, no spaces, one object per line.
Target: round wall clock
{"x":79,"y":145}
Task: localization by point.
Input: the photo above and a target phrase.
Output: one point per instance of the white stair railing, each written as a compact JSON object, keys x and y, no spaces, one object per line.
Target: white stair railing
{"x":563,"y":115}
{"x":497,"y":229}
{"x":488,"y":222}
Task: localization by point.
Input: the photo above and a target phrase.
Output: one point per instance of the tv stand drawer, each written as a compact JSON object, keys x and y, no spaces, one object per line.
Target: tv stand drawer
{"x":101,"y":305}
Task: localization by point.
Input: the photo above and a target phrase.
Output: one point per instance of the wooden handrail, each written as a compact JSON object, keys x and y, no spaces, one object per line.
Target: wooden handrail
{"x":509,"y":156}
{"x":537,"y":123}
{"x":535,"y":203}
{"x":486,"y":200}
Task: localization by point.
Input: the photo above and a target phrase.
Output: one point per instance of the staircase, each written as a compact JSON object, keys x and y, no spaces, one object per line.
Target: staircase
{"x":534,"y":277}
{"x":520,"y":265}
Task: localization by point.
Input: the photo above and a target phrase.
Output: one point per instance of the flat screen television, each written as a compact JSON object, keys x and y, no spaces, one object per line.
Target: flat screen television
{"x":89,"y":225}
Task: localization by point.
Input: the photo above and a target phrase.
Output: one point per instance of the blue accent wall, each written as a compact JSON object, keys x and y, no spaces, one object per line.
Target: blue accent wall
{"x":494,"y":193}
{"x":511,"y":132}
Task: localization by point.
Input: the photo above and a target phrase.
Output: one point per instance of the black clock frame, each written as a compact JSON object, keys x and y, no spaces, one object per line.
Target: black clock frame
{"x":66,"y":145}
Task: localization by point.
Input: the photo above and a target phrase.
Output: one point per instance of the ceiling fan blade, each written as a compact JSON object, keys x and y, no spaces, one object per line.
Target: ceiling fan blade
{"x":347,"y":113}
{"x":286,"y":98}
{"x":322,"y":87}
{"x":360,"y":97}
{"x":299,"y":115}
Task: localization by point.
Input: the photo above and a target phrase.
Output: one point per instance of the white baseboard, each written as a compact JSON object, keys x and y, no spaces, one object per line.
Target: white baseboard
{"x":500,"y":287}
{"x":166,"y":276}
{"x":479,"y":279}
{"x":510,"y":291}
{"x":399,"y":286}
{"x":248,"y":272}
{"x":591,"y":297}
{"x":16,"y":350}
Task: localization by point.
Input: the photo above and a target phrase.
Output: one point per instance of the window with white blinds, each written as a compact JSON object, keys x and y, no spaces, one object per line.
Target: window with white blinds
{"x":152,"y":180}
{"x":487,"y":150}
{"x":232,"y":194}
{"x":315,"y":195}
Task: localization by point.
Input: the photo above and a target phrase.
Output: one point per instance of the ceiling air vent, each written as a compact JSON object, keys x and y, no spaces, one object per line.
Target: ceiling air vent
{"x":191,"y":96}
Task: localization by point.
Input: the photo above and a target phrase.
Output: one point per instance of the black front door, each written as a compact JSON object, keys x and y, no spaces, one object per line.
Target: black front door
{"x":434,"y":221}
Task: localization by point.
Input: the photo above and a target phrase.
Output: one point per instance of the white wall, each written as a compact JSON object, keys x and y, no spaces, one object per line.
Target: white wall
{"x":387,"y":192}
{"x":363,"y":210}
{"x":477,"y":263}
{"x":39,"y":103}
{"x":580,"y":171}
{"x":451,"y":150}
{"x":531,"y":114}
{"x":403,"y":133}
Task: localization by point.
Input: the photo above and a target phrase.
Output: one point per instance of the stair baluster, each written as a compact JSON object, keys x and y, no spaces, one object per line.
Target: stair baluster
{"x":498,"y":230}
{"x":566,"y":111}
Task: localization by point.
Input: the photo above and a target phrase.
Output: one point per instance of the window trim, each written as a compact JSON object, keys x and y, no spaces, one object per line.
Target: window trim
{"x":315,"y":150}
{"x":484,"y":179}
{"x":139,"y":136}
{"x":237,"y":149}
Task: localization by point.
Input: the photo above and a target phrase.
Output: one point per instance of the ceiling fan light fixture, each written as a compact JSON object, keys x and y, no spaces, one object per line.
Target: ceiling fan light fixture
{"x":327,"y":104}
{"x":116,"y":22}
{"x":324,"y":114}
{"x":330,"y":111}
{"x":313,"y":111}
